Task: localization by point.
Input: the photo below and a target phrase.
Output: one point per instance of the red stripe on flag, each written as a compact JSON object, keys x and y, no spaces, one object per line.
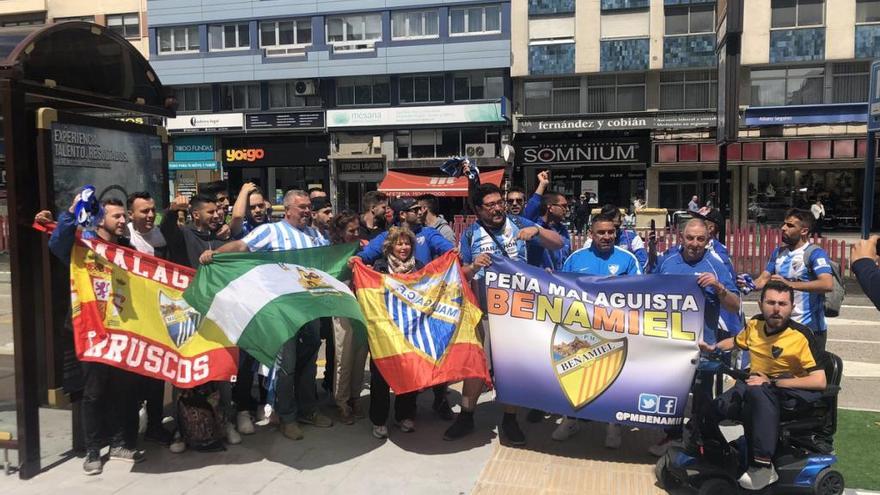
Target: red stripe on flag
{"x":410,"y":372}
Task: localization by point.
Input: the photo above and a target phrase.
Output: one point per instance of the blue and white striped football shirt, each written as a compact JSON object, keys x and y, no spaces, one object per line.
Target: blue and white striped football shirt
{"x":809,"y":307}
{"x":281,"y":236}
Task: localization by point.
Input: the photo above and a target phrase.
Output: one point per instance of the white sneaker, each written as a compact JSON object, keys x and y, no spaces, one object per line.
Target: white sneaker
{"x":142,"y":419}
{"x":244,"y":424}
{"x":264,"y":415}
{"x":178,"y":446}
{"x":232,"y":436}
{"x":758,"y":478}
{"x":660,"y":448}
{"x":407,"y":426}
{"x":380,"y":432}
{"x":612,"y":436}
{"x":566,"y":429}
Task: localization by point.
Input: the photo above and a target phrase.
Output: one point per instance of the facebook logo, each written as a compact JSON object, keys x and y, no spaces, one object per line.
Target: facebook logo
{"x":648,"y":403}
{"x":666,"y":405}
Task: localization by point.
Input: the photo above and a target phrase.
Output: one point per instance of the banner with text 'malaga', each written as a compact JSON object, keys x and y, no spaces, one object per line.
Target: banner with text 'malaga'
{"x":129,"y":312}
{"x":616,"y":349}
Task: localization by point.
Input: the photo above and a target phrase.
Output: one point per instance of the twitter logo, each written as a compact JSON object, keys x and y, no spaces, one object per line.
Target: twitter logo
{"x":649,"y":403}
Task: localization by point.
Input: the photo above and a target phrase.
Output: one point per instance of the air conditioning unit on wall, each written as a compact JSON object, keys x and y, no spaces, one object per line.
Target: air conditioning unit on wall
{"x":305,"y":87}
{"x":482,"y":150}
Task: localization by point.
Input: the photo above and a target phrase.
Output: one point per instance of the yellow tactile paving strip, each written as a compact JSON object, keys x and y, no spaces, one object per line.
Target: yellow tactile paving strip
{"x":580,"y":465}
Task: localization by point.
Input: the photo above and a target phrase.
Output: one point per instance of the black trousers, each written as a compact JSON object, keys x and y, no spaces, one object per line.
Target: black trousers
{"x":109,"y":406}
{"x":152,"y":391}
{"x":380,"y":400}
{"x":758,"y":408}
{"x":329,"y":353}
{"x":244,"y":382}
{"x":821,"y":339}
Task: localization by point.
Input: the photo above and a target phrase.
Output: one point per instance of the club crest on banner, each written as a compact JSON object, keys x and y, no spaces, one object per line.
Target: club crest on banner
{"x":585,"y":363}
{"x":426,"y":312}
{"x":181,"y":320}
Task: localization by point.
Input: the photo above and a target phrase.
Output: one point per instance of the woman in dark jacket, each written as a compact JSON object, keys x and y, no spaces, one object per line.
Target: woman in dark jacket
{"x":397,"y":258}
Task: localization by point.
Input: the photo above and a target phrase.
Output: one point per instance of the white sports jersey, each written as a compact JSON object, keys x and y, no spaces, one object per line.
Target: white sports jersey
{"x":809,"y":307}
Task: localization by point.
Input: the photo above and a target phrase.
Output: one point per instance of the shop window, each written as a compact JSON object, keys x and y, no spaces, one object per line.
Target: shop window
{"x":422,"y":89}
{"x":616,"y":93}
{"x":285,"y":33}
{"x":797,"y":13}
{"x":867,"y":11}
{"x":851,"y":80}
{"x":193,"y":98}
{"x":354,"y":28}
{"x":475,"y":20}
{"x":76,"y":18}
{"x":29,"y":19}
{"x":125,"y":25}
{"x":366,"y":90}
{"x":479,"y":86}
{"x":557,"y":97}
{"x":795,"y":86}
{"x":282,"y":94}
{"x":691,"y":90}
{"x":415,"y":25}
{"x":690,"y":19}
{"x":229,"y":37}
{"x":240,"y":96}
{"x":182,"y":39}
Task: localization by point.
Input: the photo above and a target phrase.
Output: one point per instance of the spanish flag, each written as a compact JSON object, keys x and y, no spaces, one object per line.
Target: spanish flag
{"x":422,"y":326}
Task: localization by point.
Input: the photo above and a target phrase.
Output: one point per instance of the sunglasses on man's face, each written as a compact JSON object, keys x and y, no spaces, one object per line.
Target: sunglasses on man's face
{"x":516,"y":201}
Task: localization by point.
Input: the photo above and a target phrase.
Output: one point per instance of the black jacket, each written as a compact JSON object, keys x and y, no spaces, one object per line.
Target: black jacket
{"x":186,"y":244}
{"x":868,"y":275}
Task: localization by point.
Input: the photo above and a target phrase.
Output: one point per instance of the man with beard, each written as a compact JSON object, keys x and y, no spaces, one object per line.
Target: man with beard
{"x":806,"y":268}
{"x":627,"y":239}
{"x":322,"y":215}
{"x":187,"y":243}
{"x":375,"y":207}
{"x":249,"y":210}
{"x":296,"y":394}
{"x":601,"y":259}
{"x":495,"y":232}
{"x":408,"y":213}
{"x":109,"y":405}
{"x":787,"y":368}
{"x":516,"y":200}
{"x":548,"y":210}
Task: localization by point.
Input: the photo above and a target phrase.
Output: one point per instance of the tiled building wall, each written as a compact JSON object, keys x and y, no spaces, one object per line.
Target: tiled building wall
{"x":625,"y":4}
{"x":696,"y":50}
{"x":797,"y":45}
{"x":551,"y":59}
{"x":625,"y":55}
{"x":542,"y":7}
{"x":868,"y":41}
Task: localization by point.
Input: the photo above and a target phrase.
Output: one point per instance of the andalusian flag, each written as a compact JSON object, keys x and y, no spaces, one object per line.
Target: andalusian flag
{"x":261,"y":300}
{"x":422,"y":327}
{"x":128,"y":311}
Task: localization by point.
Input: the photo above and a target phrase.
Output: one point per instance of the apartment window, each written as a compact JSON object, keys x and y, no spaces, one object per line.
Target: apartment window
{"x":240,"y":96}
{"x":229,"y":37}
{"x":375,"y":90}
{"x":616,"y":93}
{"x":797,"y":13}
{"x":184,"y":39}
{"x":29,"y":19}
{"x":415,"y":25}
{"x":851,"y":80}
{"x":479,"y":86}
{"x":796,"y":86}
{"x":440,"y":143}
{"x":475,"y":20}
{"x":867,"y":11}
{"x":688,"y":90}
{"x":282,"y":94}
{"x":354,"y":28}
{"x":691,"y":19}
{"x":422,"y":89}
{"x":557,"y":97}
{"x":193,"y":98}
{"x":285,"y":33}
{"x":125,"y":25}
{"x":76,"y":18}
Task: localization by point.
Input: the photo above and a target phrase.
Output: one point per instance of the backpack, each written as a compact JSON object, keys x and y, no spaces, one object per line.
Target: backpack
{"x":199,"y":419}
{"x":833,"y":299}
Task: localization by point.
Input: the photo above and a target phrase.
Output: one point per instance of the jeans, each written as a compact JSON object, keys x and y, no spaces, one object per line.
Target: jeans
{"x":109,"y":406}
{"x":295,"y":392}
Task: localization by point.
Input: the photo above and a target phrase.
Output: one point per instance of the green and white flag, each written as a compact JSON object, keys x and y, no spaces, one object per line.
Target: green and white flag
{"x":261,"y":300}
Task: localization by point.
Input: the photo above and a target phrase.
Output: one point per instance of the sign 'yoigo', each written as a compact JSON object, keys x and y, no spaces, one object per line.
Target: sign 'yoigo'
{"x":245,"y":155}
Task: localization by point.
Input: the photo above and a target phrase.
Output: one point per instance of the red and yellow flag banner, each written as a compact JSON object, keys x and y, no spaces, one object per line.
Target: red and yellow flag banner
{"x":422,"y":326}
{"x":129,"y":312}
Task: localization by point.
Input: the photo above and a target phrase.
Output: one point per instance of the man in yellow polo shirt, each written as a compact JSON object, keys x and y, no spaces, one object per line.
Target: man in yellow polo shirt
{"x":787,"y":368}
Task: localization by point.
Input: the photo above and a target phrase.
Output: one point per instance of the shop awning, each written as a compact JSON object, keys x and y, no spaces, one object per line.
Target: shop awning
{"x":403,"y":184}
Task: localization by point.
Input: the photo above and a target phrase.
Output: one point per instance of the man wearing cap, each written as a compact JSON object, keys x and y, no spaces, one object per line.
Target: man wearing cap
{"x":322,"y":214}
{"x":430,"y":244}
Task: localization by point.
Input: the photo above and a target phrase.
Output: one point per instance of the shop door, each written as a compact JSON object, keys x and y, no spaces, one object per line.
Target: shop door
{"x":351,"y":193}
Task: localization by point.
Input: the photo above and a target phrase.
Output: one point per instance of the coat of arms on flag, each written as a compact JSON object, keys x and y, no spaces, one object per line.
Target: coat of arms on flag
{"x":586,"y":364}
{"x":422,"y":326}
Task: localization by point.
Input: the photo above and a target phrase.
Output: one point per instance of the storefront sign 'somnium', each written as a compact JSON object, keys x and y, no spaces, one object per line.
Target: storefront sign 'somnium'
{"x":583,"y":152}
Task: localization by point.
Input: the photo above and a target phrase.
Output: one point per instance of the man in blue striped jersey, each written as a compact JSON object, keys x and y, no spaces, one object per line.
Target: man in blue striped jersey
{"x":296,"y":395}
{"x":804,"y":267}
{"x":601,"y":259}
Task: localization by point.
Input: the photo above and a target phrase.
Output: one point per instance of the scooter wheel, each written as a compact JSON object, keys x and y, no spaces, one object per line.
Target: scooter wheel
{"x":664,"y":477}
{"x":829,"y":482}
{"x":717,"y":486}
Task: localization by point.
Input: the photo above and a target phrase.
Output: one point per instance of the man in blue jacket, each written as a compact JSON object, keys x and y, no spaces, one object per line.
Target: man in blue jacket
{"x":548,"y":210}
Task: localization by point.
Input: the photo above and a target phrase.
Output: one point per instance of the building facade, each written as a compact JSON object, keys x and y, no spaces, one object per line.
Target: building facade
{"x":295,"y":94}
{"x":618,"y":97}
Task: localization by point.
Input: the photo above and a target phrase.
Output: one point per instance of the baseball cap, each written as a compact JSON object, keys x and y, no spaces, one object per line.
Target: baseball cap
{"x":402,"y":204}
